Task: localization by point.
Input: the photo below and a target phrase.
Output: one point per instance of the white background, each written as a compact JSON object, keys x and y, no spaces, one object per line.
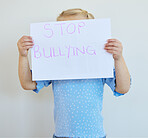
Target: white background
{"x":27,"y":114}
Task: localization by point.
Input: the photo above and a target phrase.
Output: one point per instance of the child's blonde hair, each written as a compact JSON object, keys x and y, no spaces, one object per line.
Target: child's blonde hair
{"x":75,"y":11}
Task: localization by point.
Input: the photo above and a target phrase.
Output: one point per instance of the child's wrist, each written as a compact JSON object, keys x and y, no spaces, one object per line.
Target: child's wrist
{"x":119,"y":59}
{"x":21,"y":56}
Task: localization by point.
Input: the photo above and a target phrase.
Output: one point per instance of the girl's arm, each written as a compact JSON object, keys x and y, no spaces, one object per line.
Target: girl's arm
{"x":24,"y":72}
{"x":114,"y":46}
{"x":122,"y":76}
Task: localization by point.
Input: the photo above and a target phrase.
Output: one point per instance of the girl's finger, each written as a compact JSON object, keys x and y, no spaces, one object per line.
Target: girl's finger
{"x":27,"y":47}
{"x":25,"y":36}
{"x":113,"y":40}
{"x":111,"y":48}
{"x":112,"y":51}
{"x":26,"y":39}
{"x":112,"y":44}
{"x":27,"y":44}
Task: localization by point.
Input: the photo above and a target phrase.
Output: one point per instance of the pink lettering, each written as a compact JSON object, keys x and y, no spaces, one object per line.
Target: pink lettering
{"x":60,"y":52}
{"x":73,"y":28}
{"x":54,"y":53}
{"x":61,"y":27}
{"x":49,"y":55}
{"x":81,"y":24}
{"x":73,"y":50}
{"x":83,"y":52}
{"x":46,"y":27}
{"x":94,"y":53}
{"x":68,"y":51}
{"x":37,"y":54}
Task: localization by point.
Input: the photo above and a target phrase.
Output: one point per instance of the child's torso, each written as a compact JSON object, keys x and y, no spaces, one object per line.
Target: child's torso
{"x":78,"y":105}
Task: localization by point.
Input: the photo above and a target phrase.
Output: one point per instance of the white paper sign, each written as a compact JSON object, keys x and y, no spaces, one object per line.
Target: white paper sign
{"x":71,"y":49}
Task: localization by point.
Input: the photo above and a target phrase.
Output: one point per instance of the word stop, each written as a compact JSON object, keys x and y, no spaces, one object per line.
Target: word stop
{"x":63,"y":28}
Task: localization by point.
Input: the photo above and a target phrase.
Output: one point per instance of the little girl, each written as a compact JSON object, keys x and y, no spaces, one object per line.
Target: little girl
{"x":77,"y":102}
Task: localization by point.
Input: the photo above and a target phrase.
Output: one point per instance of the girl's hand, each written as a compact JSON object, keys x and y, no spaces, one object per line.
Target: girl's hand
{"x":114,"y":47}
{"x":24,"y":43}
